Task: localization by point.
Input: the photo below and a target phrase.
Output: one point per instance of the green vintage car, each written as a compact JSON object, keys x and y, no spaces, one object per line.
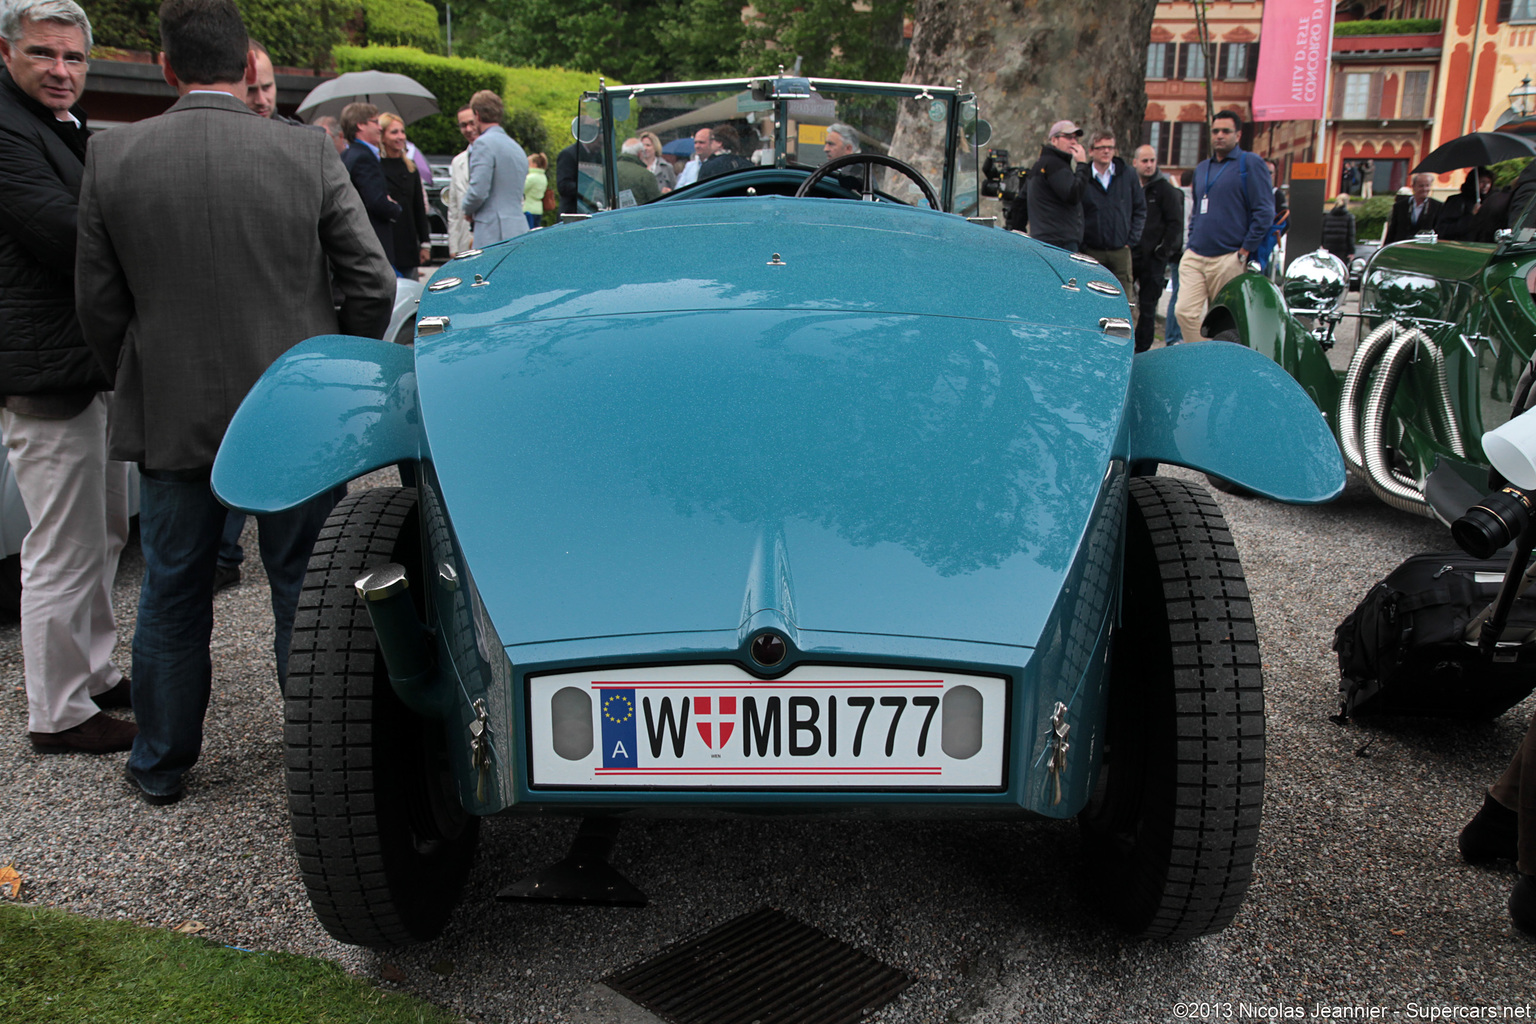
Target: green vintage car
{"x":1445,"y":330}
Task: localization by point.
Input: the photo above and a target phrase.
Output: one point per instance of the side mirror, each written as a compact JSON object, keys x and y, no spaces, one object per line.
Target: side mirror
{"x":584,"y":130}
{"x":1315,"y":284}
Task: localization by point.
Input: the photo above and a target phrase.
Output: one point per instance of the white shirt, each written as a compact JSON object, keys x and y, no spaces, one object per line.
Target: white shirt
{"x":690,"y":173}
{"x":459,"y":237}
{"x":1105,"y":178}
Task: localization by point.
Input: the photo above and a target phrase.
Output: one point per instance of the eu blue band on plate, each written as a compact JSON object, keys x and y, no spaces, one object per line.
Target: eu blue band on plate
{"x":618,"y":711}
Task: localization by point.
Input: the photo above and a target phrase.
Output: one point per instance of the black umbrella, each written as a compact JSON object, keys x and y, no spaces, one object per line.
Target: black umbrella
{"x":1476,"y":150}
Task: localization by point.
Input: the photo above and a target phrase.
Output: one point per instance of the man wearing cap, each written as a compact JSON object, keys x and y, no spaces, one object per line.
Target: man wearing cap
{"x":1055,"y":192}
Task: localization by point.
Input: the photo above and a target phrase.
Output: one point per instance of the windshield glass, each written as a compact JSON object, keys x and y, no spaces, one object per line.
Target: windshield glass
{"x":716,"y":129}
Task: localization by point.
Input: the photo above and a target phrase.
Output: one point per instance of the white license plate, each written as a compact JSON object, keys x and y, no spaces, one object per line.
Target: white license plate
{"x":715,"y":726}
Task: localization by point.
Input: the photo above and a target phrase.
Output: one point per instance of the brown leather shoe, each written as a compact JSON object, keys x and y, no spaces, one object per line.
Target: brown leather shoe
{"x":99,"y":734}
{"x":120,"y":696}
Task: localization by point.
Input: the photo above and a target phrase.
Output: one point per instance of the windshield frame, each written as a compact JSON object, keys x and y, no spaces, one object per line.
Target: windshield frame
{"x":953,"y":97}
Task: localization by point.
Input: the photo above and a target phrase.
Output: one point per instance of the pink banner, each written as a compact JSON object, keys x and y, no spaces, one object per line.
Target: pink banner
{"x":1294,"y":47}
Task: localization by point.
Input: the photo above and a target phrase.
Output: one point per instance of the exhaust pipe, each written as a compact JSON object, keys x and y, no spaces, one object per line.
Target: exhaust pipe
{"x":1389,"y":485}
{"x":1362,"y":432}
{"x":404,"y":643}
{"x":1366,"y":354}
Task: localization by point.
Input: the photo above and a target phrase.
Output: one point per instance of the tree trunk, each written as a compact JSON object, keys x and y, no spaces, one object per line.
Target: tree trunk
{"x":1033,"y":62}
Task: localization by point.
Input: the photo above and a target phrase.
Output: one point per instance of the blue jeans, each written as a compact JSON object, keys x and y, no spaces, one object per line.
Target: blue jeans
{"x":1172,"y":334}
{"x":180,"y":524}
{"x":230,"y":551}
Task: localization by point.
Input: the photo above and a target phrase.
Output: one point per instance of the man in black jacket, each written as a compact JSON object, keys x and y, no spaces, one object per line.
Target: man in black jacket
{"x":725,"y":159}
{"x":1113,"y":208}
{"x":360,"y":125}
{"x":1419,"y":212}
{"x":55,"y":414}
{"x":1161,"y":239}
{"x":1054,"y":191}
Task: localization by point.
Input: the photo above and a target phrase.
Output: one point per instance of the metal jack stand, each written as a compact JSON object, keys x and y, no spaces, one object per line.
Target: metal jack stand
{"x":584,"y":876}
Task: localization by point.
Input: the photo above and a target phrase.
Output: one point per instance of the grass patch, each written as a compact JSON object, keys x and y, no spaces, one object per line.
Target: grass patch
{"x":55,"y":967}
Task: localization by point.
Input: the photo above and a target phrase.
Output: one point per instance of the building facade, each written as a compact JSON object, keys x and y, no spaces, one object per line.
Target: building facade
{"x":1405,"y":76}
{"x":1177,"y":69}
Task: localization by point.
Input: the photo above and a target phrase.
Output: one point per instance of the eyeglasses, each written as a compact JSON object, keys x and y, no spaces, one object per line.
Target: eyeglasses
{"x":44,"y":60}
{"x":1097,"y":148}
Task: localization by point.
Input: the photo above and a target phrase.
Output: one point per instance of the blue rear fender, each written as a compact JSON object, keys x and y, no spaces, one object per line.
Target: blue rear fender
{"x":1227,"y":410}
{"x":329,"y":409}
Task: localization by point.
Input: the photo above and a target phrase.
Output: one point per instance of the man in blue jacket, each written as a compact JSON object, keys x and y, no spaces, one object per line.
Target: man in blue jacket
{"x":498,"y":168}
{"x":1234,"y":208}
{"x":1114,"y":209}
{"x":360,"y":125}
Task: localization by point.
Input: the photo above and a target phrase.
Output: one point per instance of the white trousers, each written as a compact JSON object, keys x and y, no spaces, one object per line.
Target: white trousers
{"x":78,"y":503}
{"x":1200,"y":278}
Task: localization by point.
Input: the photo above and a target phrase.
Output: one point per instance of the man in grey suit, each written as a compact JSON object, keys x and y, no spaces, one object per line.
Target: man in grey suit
{"x":197,"y":267}
{"x":498,"y":167}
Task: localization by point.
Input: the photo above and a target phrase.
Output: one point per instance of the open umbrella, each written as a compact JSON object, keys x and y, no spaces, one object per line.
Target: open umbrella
{"x":399,"y":94}
{"x":1476,"y":150}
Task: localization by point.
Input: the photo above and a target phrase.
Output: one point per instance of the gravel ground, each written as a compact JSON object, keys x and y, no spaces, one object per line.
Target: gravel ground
{"x":1359,"y":897}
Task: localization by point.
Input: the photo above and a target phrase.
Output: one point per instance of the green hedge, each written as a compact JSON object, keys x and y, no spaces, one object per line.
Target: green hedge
{"x":402,"y":23}
{"x":295,"y":32}
{"x":124,"y":24}
{"x":1387,"y":27}
{"x":1371,"y":216}
{"x":540,"y":102}
{"x":554,"y":94}
{"x":453,"y":80}
{"x":1505,"y":172}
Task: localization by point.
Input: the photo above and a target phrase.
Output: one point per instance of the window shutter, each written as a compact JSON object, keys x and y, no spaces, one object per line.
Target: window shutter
{"x":1253,"y":61}
{"x":1504,"y":8}
{"x":1184,"y":60}
{"x":1373,"y":107}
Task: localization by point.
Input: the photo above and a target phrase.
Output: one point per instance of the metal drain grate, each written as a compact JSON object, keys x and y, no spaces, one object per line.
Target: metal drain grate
{"x":760,"y":968}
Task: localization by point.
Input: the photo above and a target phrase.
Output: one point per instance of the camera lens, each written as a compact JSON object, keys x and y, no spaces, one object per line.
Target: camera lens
{"x":1492,"y":523}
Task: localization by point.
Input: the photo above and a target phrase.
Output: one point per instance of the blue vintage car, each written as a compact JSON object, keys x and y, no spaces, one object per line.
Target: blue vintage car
{"x":796,"y":491}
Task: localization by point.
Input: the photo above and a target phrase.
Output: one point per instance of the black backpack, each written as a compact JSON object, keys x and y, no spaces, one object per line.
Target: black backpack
{"x":1401,"y":651}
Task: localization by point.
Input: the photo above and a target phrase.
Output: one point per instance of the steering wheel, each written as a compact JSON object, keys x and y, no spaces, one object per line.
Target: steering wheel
{"x":869,"y":160}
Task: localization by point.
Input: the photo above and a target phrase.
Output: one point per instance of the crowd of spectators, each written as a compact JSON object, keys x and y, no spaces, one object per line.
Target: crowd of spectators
{"x":121,"y":256}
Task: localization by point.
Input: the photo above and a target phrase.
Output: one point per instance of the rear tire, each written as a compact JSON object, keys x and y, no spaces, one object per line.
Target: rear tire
{"x":1174,"y":822}
{"x":384,"y":845}
{"x":1226,"y":486}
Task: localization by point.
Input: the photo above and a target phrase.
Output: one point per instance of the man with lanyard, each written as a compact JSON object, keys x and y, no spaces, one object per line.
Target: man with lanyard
{"x":1234,"y":208}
